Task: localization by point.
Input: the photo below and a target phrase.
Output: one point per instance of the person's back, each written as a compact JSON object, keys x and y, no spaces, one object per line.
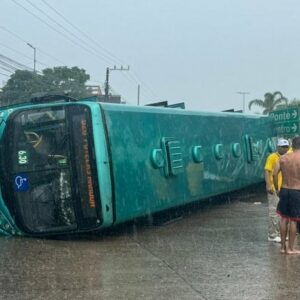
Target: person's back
{"x":290,"y":169}
{"x":289,"y":204}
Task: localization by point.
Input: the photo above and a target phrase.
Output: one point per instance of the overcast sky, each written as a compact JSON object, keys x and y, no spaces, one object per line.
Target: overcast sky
{"x":199,"y":52}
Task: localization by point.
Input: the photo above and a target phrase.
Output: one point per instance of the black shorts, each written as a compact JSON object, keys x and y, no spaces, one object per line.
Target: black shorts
{"x":289,"y":204}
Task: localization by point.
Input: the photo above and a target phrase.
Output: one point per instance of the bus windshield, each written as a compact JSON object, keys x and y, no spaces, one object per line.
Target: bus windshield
{"x":50,"y":180}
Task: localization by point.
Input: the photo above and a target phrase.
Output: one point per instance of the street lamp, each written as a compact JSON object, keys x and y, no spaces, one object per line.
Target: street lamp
{"x":244,"y":96}
{"x":34,"y":56}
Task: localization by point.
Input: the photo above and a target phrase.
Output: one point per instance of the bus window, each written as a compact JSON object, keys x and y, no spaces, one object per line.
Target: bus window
{"x":51,"y":178}
{"x":39,"y":170}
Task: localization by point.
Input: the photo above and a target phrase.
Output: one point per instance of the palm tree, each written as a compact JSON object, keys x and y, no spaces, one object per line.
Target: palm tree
{"x":294,"y":103}
{"x":271,"y":101}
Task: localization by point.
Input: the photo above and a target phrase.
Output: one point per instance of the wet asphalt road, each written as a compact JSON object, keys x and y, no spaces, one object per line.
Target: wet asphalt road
{"x":217,"y":250}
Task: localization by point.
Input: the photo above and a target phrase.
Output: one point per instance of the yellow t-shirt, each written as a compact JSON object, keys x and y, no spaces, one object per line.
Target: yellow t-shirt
{"x":270,"y":165}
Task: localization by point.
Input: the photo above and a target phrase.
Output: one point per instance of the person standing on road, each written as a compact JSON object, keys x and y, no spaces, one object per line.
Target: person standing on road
{"x":274,"y":220}
{"x":289,"y":204}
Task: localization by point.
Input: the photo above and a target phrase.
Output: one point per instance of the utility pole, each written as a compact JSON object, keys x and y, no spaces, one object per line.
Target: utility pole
{"x":138,"y":95}
{"x":244,"y":97}
{"x":106,"y":89}
{"x":34,"y":56}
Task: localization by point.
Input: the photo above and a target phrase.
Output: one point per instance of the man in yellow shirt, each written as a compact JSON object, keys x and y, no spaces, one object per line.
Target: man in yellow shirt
{"x":273,"y":158}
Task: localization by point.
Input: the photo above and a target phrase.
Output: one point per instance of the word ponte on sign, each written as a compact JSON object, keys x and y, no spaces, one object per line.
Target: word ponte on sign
{"x":287,"y":115}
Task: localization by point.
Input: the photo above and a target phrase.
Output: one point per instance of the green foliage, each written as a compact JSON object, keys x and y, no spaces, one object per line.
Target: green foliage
{"x":22,"y":84}
{"x":271,"y":102}
{"x":292,"y":103}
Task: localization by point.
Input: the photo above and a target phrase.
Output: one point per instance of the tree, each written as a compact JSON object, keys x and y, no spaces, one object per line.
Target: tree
{"x":292,"y":103}
{"x":19,"y":87}
{"x":270,"y":102}
{"x":64,"y":79}
{"x":22,"y":84}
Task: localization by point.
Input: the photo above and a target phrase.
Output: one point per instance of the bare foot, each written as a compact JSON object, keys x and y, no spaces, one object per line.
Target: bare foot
{"x":283,"y":248}
{"x":292,"y":251}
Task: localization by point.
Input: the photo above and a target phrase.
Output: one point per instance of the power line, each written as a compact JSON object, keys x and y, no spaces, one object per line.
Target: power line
{"x":59,"y":32}
{"x":4,"y":74}
{"x":21,"y":39}
{"x":133,"y":76}
{"x":66,"y":30}
{"x":76,"y":36}
{"x":145,"y":85}
{"x":83,"y":33}
{"x":6,"y":69}
{"x":12,"y":61}
{"x":15,"y":35}
{"x":51,"y":56}
{"x":22,"y":54}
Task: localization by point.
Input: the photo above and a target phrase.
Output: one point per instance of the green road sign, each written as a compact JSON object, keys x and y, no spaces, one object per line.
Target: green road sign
{"x":285,"y":115}
{"x":287,"y":128}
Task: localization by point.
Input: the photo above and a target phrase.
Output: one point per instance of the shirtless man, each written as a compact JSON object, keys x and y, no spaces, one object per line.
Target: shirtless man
{"x":289,"y":204}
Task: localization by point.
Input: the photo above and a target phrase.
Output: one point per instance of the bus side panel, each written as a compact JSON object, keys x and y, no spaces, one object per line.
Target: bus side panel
{"x":140,"y":187}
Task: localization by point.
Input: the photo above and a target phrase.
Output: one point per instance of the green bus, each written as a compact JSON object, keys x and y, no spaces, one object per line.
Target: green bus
{"x":75,"y":166}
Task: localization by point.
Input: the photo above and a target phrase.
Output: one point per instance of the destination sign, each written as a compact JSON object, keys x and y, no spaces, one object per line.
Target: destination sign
{"x":285,"y":115}
{"x":287,"y":128}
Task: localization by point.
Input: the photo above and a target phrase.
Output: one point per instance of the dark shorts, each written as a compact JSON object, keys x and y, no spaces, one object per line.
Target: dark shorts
{"x":289,"y":204}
